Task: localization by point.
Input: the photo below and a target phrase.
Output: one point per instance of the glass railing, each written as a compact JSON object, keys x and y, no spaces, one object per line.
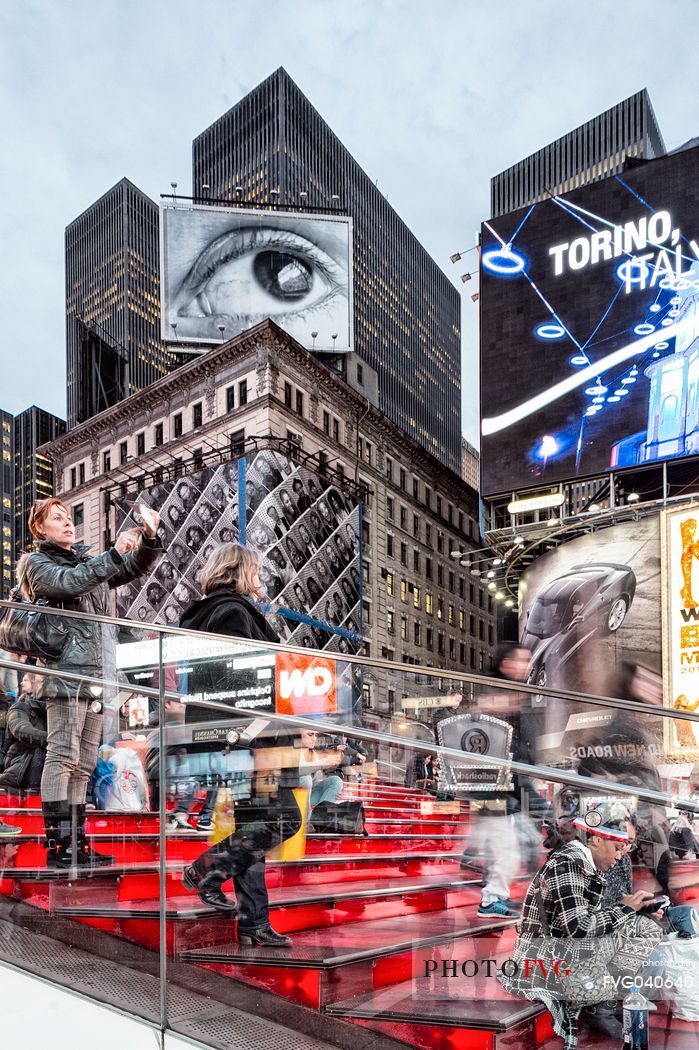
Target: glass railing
{"x":224,"y":832}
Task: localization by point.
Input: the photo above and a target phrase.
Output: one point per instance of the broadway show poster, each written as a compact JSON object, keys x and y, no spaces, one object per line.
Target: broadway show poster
{"x":306,"y":530}
{"x":588,"y":609}
{"x":681,"y":628}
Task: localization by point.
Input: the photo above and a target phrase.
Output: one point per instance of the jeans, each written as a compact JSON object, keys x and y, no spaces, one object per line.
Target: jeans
{"x":259,"y":826}
{"x":325,"y":790}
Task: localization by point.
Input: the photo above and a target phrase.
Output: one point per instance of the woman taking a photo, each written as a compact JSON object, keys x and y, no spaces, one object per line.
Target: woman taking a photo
{"x":231,"y":583}
{"x":61,"y":571}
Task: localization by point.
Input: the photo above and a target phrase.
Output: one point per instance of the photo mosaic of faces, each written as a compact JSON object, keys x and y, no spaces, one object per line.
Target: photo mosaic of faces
{"x":306,"y":530}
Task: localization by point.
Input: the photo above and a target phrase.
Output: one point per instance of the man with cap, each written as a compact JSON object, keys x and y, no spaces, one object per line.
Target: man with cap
{"x":567,"y":896}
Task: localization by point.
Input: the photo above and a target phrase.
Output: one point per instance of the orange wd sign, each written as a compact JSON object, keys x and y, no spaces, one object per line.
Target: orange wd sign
{"x":305,"y":685}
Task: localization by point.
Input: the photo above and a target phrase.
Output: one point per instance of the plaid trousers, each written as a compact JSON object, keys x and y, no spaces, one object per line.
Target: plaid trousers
{"x":73,"y":739}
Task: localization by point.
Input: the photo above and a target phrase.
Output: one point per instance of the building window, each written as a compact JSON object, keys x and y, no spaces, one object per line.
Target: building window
{"x":389,"y":545}
{"x":416,"y":526}
{"x":450,"y":613}
{"x":73,"y":477}
{"x":322,"y":463}
{"x":140,"y":444}
{"x":287,"y":395}
{"x":481,"y":630}
{"x":106,"y":462}
{"x":440,"y":575}
{"x":230,"y":398}
{"x":123,"y":452}
{"x":462,"y":587}
{"x":473,"y":657}
{"x":428,"y":638}
{"x":158,"y":436}
{"x":416,"y":489}
{"x":403,"y":517}
{"x":403,"y":591}
{"x":462,"y":652}
{"x":243,"y":392}
{"x":237,"y":443}
{"x":198,"y":458}
{"x":336,"y":430}
{"x":490,"y":634}
{"x":428,"y":534}
{"x":428,"y":602}
{"x":389,"y":469}
{"x":480,"y":599}
{"x":197,"y":415}
{"x":389,"y":583}
{"x":416,"y":561}
{"x":416,"y":597}
{"x":177,"y":425}
{"x":451,"y":582}
{"x":404,"y":628}
{"x":366,"y":612}
{"x":472,"y":625}
{"x":440,"y":541}
{"x":389,"y":508}
{"x":179,"y":466}
{"x":440,"y":608}
{"x":452,"y":649}
{"x":299,"y":402}
{"x":326,"y":423}
{"x":428,"y":497}
{"x":439,"y":506}
{"x":428,"y":568}
{"x":390,"y":621}
{"x":440,"y":643}
{"x":368,"y":450}
{"x":81,"y":473}
{"x":490,"y":604}
{"x":79,"y":515}
{"x":360,"y":375}
{"x":404,"y":553}
{"x":402,"y":479}
{"x":417,"y":633}
{"x":462,"y":619}
{"x":471,"y":593}
{"x":366,"y":535}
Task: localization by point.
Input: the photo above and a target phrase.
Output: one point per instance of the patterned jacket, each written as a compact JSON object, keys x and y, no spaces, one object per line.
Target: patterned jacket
{"x":572,"y":892}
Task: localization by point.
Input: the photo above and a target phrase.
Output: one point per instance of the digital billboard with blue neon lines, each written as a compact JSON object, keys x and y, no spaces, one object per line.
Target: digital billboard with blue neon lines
{"x":590,"y":329}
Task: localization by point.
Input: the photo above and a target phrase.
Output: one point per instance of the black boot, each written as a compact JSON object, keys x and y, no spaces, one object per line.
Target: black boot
{"x":57,"y":826}
{"x":209,"y":889}
{"x":265,"y":936}
{"x":88,"y":856}
{"x":603,"y":1018}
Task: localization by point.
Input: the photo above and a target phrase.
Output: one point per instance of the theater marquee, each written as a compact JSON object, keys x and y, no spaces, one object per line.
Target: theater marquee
{"x":680,"y":539}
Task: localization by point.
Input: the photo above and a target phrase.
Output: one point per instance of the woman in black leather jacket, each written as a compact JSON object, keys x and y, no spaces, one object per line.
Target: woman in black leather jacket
{"x":25,"y":746}
{"x":63,"y":572}
{"x":230,"y":580}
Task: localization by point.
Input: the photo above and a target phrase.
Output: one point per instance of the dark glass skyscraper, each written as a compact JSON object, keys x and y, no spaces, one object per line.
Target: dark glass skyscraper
{"x":273,"y":146}
{"x":33,"y":471}
{"x":7,"y":499}
{"x":112,"y":301}
{"x":622,"y":135}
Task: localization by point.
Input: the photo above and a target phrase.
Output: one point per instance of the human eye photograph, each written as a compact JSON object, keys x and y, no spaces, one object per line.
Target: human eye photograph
{"x":235,"y":269}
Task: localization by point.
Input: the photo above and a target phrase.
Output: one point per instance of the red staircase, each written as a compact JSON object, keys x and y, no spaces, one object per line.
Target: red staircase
{"x":376,"y":921}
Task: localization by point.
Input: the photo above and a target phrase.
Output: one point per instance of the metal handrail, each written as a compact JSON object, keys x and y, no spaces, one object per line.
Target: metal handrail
{"x":547,"y":773}
{"x":366,"y":661}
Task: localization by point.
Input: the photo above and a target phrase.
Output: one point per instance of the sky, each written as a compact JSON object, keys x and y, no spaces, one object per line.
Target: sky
{"x":432,"y":100}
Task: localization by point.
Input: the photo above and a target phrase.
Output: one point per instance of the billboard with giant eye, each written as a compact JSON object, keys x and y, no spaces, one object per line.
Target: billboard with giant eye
{"x":590,"y":329}
{"x":226,"y":269}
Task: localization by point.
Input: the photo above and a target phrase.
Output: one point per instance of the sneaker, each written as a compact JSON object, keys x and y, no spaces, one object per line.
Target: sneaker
{"x":8,"y":831}
{"x":205,"y":825}
{"x":178,"y":822}
{"x":498,"y":909}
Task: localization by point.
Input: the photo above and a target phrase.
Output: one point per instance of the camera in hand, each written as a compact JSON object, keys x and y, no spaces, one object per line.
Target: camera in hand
{"x":661,"y":903}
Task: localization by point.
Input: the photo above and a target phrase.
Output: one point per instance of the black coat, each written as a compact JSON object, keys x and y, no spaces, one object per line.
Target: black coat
{"x":25,"y":746}
{"x":225,"y":611}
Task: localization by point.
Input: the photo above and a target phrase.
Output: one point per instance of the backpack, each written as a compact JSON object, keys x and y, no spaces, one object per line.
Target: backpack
{"x":338,"y":818}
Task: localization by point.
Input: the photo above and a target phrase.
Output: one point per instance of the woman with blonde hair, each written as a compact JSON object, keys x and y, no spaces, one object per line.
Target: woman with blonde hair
{"x":231,"y":584}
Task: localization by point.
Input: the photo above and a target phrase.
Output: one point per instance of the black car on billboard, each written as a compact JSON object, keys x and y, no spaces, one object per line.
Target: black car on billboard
{"x":587,"y":600}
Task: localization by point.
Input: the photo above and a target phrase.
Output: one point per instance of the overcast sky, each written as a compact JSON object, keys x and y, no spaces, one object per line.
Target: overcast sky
{"x":432,"y":99}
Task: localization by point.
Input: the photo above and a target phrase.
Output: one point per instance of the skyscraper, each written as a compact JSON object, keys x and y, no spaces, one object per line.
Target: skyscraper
{"x":625,"y":134}
{"x":33,"y":471}
{"x":7,"y":498}
{"x":112,"y":301}
{"x":273,"y":146}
